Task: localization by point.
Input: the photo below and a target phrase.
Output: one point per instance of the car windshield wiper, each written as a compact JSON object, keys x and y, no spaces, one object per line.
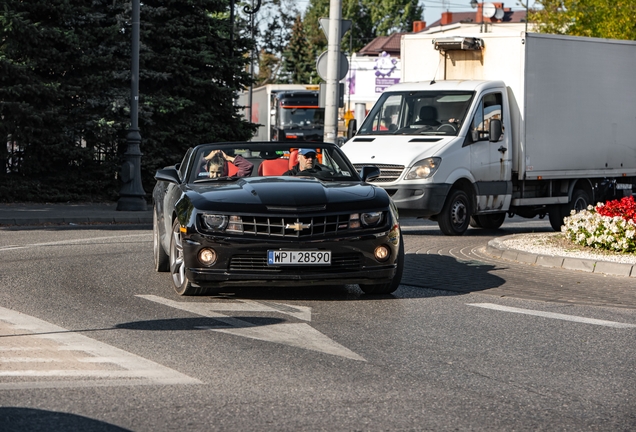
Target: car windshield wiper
{"x":215,"y":179}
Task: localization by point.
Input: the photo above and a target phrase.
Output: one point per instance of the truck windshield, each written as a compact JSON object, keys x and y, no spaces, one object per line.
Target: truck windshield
{"x":418,"y":113}
{"x":300,"y":117}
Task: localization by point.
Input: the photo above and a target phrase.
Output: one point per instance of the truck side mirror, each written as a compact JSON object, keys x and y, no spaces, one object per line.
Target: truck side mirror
{"x":352,"y":127}
{"x":495,"y":130}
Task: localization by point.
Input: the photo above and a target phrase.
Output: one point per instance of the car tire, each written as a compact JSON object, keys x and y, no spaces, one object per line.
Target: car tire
{"x":491,"y":221}
{"x":389,"y":287}
{"x":180,"y":281}
{"x":161,"y":258}
{"x":455,"y":215}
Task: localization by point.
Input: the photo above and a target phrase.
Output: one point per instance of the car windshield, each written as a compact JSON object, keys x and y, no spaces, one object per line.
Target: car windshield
{"x":418,"y":113}
{"x":227,"y":162}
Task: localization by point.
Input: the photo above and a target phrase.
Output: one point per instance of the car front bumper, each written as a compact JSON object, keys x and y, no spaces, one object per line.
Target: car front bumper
{"x":243,"y":261}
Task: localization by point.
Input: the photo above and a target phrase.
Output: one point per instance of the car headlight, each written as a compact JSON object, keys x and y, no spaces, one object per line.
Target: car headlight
{"x":214,"y":222}
{"x":423,"y":169}
{"x":371,"y":219}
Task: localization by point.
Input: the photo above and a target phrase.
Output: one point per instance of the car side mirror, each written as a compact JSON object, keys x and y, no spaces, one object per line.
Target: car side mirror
{"x":495,"y":130}
{"x":368,"y":173}
{"x":171,"y":175}
{"x":352,"y":128}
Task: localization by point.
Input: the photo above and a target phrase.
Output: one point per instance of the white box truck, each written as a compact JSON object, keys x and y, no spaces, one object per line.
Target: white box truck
{"x":285,"y":112}
{"x":495,"y":125}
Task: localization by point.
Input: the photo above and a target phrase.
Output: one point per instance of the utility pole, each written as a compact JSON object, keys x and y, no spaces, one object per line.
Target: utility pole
{"x":333,"y":67}
{"x":132,"y":195}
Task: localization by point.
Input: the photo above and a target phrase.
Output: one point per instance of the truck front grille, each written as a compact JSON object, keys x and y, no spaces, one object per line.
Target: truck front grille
{"x":388,"y":173}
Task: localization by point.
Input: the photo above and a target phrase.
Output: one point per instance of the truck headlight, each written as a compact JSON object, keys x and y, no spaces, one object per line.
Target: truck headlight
{"x":423,"y":169}
{"x":214,"y":222}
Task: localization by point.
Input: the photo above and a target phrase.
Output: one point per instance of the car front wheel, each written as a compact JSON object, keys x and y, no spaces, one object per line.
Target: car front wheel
{"x":177,"y":265}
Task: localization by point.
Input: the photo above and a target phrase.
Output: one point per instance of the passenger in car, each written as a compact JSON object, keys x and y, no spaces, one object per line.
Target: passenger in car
{"x":221,"y":164}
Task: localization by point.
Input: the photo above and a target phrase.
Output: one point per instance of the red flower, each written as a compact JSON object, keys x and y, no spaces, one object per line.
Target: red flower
{"x":625,"y":208}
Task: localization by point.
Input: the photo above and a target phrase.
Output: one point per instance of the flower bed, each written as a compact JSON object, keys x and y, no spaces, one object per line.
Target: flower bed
{"x":610,"y":226}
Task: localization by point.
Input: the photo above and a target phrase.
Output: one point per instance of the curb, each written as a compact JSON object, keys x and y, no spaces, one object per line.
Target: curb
{"x":497,"y":249}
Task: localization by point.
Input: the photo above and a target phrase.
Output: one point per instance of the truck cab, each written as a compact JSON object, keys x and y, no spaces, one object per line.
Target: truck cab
{"x":296,"y":116}
{"x":436,"y":140}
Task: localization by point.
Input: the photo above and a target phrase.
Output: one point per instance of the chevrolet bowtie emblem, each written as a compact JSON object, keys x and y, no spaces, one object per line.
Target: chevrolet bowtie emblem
{"x":297,"y":226}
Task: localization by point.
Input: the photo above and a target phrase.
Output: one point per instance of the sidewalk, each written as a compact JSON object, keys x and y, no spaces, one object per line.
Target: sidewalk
{"x":70,"y":214}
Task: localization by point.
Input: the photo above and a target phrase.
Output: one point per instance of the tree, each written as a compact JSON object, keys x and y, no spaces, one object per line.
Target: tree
{"x":592,"y":18}
{"x":60,"y":104}
{"x":189,"y":76}
{"x":65,"y":89}
{"x":295,"y":55}
{"x":273,"y":28}
{"x":370,"y":19}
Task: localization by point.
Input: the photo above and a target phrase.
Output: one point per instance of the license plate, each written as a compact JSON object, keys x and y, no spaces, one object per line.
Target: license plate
{"x":298,"y":257}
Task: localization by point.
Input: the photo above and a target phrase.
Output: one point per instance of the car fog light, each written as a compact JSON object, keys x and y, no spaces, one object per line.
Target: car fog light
{"x":207,"y":256}
{"x":382,"y":253}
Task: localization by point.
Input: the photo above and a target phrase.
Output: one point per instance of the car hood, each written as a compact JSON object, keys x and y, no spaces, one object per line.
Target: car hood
{"x":295,"y":192}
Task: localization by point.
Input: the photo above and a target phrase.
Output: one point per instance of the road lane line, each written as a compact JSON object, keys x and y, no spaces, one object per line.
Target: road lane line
{"x":553,"y":315}
{"x":70,"y":242}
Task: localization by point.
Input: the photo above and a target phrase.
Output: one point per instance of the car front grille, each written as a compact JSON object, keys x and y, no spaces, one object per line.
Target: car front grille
{"x":258,"y":263}
{"x":388,"y":173}
{"x":293,"y":227}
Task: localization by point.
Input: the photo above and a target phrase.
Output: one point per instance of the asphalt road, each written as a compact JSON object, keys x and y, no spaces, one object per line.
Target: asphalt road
{"x":92,"y":339}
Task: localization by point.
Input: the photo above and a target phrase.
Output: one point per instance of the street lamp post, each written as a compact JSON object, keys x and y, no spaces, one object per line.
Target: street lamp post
{"x":132,"y":195}
{"x":250,"y":11}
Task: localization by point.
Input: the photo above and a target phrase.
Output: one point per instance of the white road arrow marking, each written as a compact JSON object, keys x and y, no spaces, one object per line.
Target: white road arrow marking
{"x":553,"y":315}
{"x":298,"y":335}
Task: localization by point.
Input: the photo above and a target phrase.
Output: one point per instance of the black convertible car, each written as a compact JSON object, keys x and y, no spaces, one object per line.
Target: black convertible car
{"x":250,"y":213}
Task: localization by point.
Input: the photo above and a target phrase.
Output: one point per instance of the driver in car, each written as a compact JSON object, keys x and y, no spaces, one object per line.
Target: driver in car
{"x":306,"y":163}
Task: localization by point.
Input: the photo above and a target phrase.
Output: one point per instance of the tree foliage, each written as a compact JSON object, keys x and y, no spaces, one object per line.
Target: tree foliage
{"x":370,"y":19}
{"x":591,"y":18}
{"x":61,"y":104}
{"x":65,"y":91}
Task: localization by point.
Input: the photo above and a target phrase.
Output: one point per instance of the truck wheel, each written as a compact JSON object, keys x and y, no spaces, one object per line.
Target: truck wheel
{"x":491,"y":221}
{"x":580,"y":200}
{"x":555,"y":214}
{"x":389,"y":287}
{"x":177,"y":265}
{"x":455,"y":215}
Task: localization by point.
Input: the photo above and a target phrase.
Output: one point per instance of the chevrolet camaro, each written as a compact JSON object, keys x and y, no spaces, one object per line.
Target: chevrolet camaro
{"x":264,"y":213}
